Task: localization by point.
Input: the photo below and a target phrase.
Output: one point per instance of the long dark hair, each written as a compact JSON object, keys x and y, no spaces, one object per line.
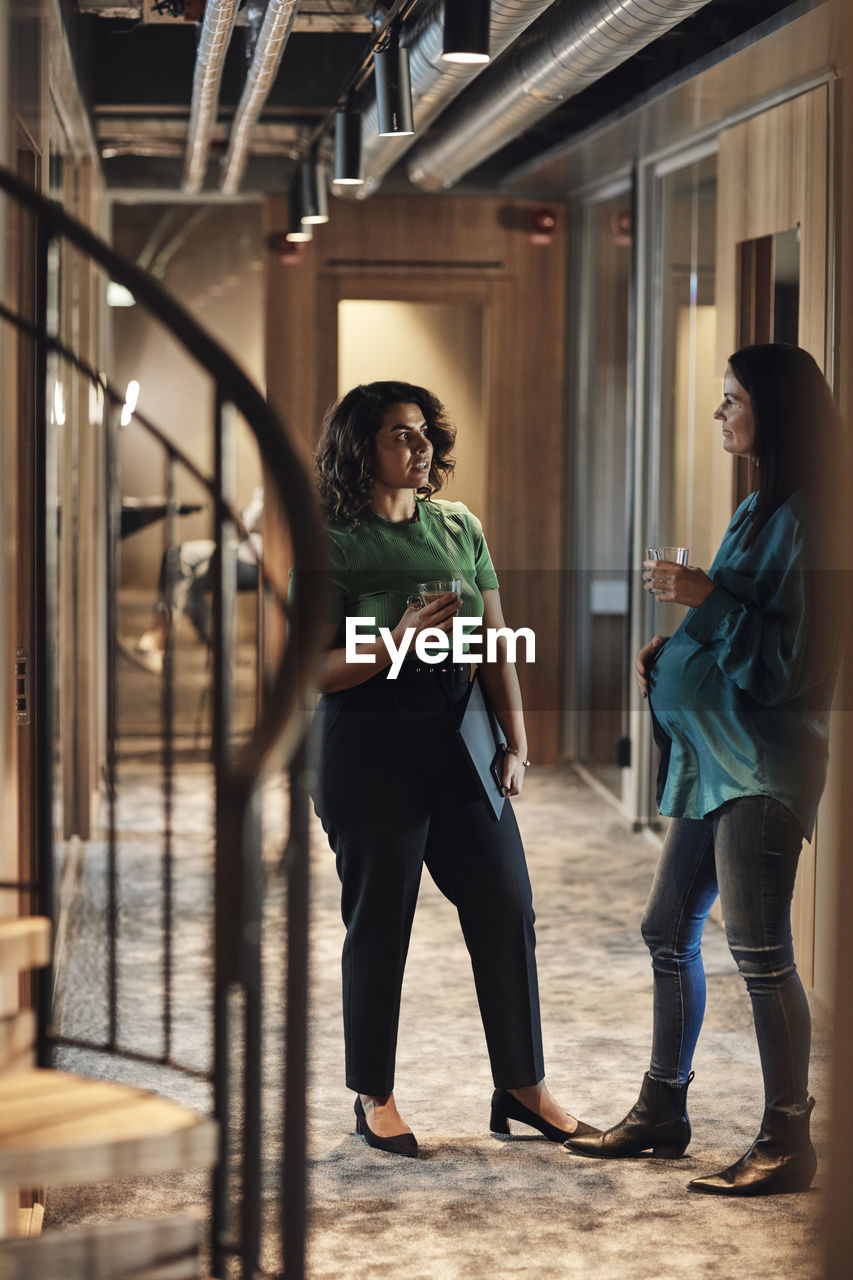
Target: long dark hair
{"x":345,"y":449}
{"x":798,"y":437}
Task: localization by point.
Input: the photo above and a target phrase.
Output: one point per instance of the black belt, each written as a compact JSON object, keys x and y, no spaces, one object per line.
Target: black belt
{"x":443,"y":673}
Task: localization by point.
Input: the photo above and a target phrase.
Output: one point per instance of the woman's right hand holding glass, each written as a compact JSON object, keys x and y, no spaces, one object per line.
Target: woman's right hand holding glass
{"x":643,"y":662}
{"x":438,"y":613}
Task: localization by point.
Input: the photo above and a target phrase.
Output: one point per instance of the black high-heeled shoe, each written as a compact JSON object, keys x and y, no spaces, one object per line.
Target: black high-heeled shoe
{"x":506,"y":1107}
{"x":402,"y":1144}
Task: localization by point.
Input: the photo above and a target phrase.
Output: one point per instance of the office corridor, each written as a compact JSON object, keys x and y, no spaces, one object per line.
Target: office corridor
{"x":473,"y":1206}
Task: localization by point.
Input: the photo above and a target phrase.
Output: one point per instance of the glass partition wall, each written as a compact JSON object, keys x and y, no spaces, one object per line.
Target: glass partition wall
{"x":685,"y":482}
{"x":647,"y":466}
{"x":684,"y":381}
{"x":599,"y":543}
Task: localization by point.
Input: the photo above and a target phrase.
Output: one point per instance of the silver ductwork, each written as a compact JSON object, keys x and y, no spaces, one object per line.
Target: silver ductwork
{"x":213,"y":42}
{"x":272,"y":38}
{"x":435,"y":84}
{"x":571,"y":47}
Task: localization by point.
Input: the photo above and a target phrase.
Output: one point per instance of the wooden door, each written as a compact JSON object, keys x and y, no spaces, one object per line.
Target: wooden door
{"x":477,"y":252}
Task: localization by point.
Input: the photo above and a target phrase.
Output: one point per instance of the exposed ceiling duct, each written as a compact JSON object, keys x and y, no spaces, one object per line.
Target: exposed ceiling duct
{"x":570,"y":48}
{"x":316,"y":16}
{"x":213,"y":42}
{"x":273,"y":36}
{"x":435,"y":83}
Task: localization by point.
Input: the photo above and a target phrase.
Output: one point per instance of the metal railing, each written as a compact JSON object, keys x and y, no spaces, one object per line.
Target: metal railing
{"x":238,"y":754}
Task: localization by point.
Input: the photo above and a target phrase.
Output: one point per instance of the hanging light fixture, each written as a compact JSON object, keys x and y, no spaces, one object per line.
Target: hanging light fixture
{"x":348,"y":145}
{"x":393,"y":85}
{"x":466,"y":31}
{"x":298,"y":232}
{"x":312,"y":190}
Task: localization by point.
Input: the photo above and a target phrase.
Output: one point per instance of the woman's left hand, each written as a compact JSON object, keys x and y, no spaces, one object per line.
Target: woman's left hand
{"x":501,"y":685}
{"x":676,"y":583}
{"x":513,"y":774}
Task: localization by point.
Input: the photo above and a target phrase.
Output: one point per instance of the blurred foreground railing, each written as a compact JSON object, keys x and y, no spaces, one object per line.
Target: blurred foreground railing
{"x":77,"y":414}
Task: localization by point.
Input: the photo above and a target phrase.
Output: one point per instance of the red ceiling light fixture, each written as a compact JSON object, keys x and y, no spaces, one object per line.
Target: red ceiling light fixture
{"x":542,"y":225}
{"x":287,"y":252}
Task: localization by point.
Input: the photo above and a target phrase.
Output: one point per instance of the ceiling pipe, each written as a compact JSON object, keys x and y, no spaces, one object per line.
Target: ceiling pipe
{"x":569,"y":50}
{"x":213,"y":42}
{"x":435,"y":83}
{"x":272,"y":38}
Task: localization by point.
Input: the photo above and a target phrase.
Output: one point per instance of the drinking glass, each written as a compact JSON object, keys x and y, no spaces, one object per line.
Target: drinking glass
{"x":680,"y":555}
{"x":425,"y":592}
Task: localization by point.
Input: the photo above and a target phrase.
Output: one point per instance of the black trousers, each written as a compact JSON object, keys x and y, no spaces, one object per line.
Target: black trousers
{"x":395,"y":793}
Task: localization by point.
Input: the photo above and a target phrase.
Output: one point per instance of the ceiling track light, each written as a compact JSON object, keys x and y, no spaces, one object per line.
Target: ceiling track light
{"x":393,"y":85}
{"x":348,"y":146}
{"x":297,"y":232}
{"x":466,"y":31}
{"x":312,"y":190}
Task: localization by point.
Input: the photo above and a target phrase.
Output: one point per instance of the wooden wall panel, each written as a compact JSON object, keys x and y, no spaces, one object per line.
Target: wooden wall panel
{"x":773,"y":175}
{"x":454,"y":249}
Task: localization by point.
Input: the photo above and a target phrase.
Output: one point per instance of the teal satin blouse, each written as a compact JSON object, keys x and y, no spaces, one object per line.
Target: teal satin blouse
{"x":741,"y":693}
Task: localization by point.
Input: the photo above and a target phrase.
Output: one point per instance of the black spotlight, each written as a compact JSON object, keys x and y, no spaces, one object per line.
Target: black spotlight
{"x":312,"y":189}
{"x":466,"y":31}
{"x":393,"y":86}
{"x":298,"y":232}
{"x":348,"y":146}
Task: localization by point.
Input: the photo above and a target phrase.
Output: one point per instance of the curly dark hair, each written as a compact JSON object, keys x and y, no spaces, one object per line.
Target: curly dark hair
{"x":798,"y":430}
{"x":345,"y":449}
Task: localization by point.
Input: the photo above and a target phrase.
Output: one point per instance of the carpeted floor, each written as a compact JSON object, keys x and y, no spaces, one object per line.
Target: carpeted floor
{"x":473,"y":1206}
{"x":476,"y":1207}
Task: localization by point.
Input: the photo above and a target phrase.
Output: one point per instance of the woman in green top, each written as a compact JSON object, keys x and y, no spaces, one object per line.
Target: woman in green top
{"x":740,"y":697}
{"x":394,"y":791}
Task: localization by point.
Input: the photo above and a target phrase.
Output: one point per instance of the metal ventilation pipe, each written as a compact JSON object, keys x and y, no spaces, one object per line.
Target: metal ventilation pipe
{"x":215,"y":37}
{"x":272,"y":38}
{"x":570,"y":49}
{"x":435,"y":84}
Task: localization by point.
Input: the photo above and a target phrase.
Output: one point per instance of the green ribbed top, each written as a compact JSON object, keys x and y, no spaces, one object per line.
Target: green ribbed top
{"x":376,"y":564}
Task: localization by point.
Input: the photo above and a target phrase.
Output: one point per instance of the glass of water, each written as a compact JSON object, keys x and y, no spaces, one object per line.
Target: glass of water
{"x":679,"y":555}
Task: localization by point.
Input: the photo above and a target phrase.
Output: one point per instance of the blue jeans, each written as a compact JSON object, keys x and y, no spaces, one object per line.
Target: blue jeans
{"x":747,"y":851}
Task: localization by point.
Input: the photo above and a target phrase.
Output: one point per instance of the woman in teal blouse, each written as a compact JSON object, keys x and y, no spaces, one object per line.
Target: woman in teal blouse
{"x":394,"y":791}
{"x":740,"y":698}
